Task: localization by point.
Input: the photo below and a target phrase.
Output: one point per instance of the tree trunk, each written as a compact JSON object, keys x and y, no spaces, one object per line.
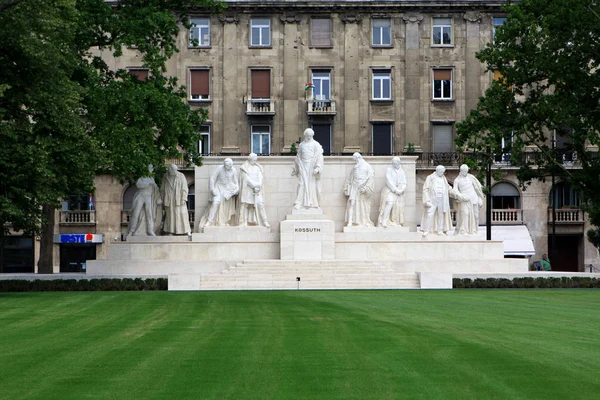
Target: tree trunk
{"x":46,"y":245}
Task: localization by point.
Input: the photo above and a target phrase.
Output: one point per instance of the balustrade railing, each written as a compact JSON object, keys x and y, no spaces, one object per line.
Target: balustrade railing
{"x":509,"y":216}
{"x":567,"y":216}
{"x":78,"y":217}
{"x":325,"y":106}
{"x":260,"y":106}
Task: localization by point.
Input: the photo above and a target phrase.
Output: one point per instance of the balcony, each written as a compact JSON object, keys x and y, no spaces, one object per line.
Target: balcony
{"x":507,"y":217}
{"x":567,"y":216}
{"x":260,"y":107}
{"x":78,"y":217}
{"x":321,"y":107}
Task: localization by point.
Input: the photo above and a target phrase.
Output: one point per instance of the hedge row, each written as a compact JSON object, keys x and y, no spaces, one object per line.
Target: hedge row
{"x":526,"y":283}
{"x":82,"y":285}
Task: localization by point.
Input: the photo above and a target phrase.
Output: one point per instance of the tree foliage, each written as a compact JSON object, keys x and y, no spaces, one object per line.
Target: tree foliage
{"x":548,"y":97}
{"x":65,"y":115}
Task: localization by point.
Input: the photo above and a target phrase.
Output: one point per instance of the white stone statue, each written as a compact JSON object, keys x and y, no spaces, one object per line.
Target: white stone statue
{"x":359,"y":189}
{"x":308,"y":166}
{"x":469,"y":195}
{"x":146,"y":213}
{"x":251,"y":197}
{"x":391,"y":207}
{"x":223,"y":186}
{"x":174,"y":193}
{"x":436,"y":203}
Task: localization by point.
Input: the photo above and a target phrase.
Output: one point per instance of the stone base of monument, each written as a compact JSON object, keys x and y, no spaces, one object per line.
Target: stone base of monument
{"x":372,"y":229}
{"x":307,"y":235}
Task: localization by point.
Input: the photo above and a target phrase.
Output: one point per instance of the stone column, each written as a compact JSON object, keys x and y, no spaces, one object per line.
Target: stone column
{"x":233,"y":110}
{"x":293,"y":95}
{"x":412,"y":73}
{"x":472,"y":88}
{"x":352,"y":77}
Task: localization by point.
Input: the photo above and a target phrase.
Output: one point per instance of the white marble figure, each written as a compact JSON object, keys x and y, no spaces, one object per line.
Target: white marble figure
{"x":146,"y":213}
{"x":359,"y":189}
{"x":436,"y":203}
{"x":223,"y":186}
{"x":308,"y":166}
{"x":251,"y":197}
{"x":174,"y":193}
{"x":469,"y":196}
{"x":391,"y":207}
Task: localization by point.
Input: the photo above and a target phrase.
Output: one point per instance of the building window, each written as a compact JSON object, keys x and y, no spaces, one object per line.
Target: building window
{"x":442,"y":31}
{"x":564,"y":196}
{"x":261,"y":83}
{"x":498,"y":21}
{"x":505,"y":144}
{"x":382,"y":85}
{"x":204,"y":142}
{"x":260,"y":32}
{"x":442,"y":84}
{"x":382,"y":32}
{"x":505,"y":196}
{"x":17,"y":254}
{"x":140,"y":73}
{"x":443,"y":141}
{"x":261,"y":139}
{"x":199,"y":84}
{"x":382,"y":139}
{"x":200,"y":32}
{"x":323,"y":136}
{"x":320,"y":32}
{"x":321,"y":79}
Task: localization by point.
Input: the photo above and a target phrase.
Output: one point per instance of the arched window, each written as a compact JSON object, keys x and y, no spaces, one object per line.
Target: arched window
{"x":505,"y":196}
{"x":128,"y":197}
{"x":563,"y":195}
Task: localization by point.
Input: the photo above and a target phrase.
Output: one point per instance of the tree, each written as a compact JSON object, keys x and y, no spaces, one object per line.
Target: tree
{"x":546,"y":97}
{"x":65,"y":115}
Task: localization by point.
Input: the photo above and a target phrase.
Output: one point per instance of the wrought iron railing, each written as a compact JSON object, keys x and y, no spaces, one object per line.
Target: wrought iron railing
{"x":78,"y":217}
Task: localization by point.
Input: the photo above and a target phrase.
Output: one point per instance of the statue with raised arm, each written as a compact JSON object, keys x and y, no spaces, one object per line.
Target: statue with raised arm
{"x":146,"y":213}
{"x":359,"y":189}
{"x":436,"y":203}
{"x":391,"y":206}
{"x":174,"y":193}
{"x":468,"y":193}
{"x":308,"y":166}
{"x":251,"y":197}
{"x":222,"y":186}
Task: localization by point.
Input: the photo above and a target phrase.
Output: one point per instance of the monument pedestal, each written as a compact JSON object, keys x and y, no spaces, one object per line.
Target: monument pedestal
{"x":307,"y":235}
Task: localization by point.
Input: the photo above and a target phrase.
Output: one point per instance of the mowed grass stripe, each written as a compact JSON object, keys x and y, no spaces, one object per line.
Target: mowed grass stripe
{"x":284,"y":345}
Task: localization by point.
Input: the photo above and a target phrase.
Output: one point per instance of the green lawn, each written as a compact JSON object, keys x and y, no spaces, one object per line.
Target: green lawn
{"x":469,"y":344}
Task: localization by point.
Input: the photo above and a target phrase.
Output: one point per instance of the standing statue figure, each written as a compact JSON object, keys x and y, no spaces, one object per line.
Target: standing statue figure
{"x":174,"y":192}
{"x":222,"y":186}
{"x":469,"y":195}
{"x":308,"y":165}
{"x":436,"y":203}
{"x":146,"y":213}
{"x":252,"y":207}
{"x":391,"y":207}
{"x":359,"y":189}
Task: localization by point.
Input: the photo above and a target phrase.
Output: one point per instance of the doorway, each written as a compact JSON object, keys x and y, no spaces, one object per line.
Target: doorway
{"x":566,"y":254}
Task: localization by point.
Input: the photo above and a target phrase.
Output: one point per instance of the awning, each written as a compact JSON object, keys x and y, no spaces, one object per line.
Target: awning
{"x":516,"y":238}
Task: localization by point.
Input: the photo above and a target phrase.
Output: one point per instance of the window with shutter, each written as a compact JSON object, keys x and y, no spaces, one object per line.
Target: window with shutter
{"x":442,"y":84}
{"x":261,"y":83}
{"x":442,"y":138}
{"x":442,"y":31}
{"x":199,"y":84}
{"x":141,"y":74}
{"x":320,"y":32}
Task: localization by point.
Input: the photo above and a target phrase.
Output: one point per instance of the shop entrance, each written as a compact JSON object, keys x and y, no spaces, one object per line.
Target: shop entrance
{"x":567,"y":252}
{"x":73,"y":257}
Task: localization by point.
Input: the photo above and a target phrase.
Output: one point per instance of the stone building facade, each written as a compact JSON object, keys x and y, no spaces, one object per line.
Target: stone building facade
{"x":379,"y":77}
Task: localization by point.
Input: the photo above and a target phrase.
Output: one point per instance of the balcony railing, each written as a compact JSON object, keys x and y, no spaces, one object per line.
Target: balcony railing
{"x":435,"y":159}
{"x":260,"y":107}
{"x":567,"y":216}
{"x":321,"y":107}
{"x":507,"y":217}
{"x":78,"y":217}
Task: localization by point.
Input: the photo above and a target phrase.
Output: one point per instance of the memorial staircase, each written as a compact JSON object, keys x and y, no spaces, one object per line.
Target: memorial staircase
{"x":283,"y":275}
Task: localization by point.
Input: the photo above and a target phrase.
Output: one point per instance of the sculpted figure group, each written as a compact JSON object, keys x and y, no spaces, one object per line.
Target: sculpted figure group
{"x":238,"y":198}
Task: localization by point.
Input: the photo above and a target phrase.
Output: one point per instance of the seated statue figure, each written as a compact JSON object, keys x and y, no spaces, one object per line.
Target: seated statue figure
{"x":359,"y":189}
{"x":223,"y":186}
{"x":252,"y":206}
{"x":391,"y":207}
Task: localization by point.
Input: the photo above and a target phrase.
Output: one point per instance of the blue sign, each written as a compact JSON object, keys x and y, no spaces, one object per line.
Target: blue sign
{"x":78,"y":238}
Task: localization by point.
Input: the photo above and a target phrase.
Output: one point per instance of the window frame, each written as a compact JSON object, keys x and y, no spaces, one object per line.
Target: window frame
{"x":390,"y":126}
{"x":202,"y":141}
{"x":261,"y":134}
{"x":199,"y":27}
{"x":381,"y":81}
{"x":190,"y":86}
{"x":433,"y":85}
{"x":260,"y":28}
{"x":495,"y":25}
{"x":330,"y":33}
{"x":381,"y":32}
{"x":442,"y":27}
{"x":319,"y":88}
